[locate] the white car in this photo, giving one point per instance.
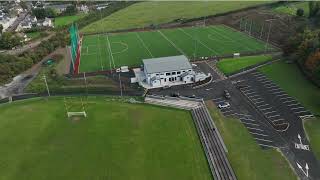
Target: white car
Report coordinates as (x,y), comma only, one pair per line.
(224,105)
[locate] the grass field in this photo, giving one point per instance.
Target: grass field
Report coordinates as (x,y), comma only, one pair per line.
(247,159)
(116,141)
(291,8)
(157,12)
(231,65)
(33,35)
(66,20)
(290,78)
(101,52)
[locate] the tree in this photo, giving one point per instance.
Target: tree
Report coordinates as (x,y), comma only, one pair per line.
(313,61)
(1,28)
(300,12)
(71,10)
(314,7)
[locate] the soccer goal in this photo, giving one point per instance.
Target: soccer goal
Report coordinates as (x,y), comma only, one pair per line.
(75,107)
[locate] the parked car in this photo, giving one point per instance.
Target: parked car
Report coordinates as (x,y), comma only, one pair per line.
(227,94)
(223,105)
(175,94)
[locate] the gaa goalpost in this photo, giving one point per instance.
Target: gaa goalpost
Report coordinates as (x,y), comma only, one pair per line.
(74,108)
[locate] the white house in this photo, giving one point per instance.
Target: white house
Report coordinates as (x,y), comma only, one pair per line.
(168,71)
(47,22)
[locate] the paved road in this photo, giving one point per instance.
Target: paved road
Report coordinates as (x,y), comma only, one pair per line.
(262,107)
(28,46)
(15,24)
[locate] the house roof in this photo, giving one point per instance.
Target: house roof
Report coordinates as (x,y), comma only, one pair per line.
(165,64)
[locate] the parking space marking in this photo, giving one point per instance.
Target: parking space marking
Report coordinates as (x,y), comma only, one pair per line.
(295,104)
(275,89)
(255,129)
(268,83)
(270,86)
(289,101)
(266,108)
(301,112)
(250,123)
(253,96)
(263,105)
(300,107)
(250,93)
(265,135)
(257,99)
(270,112)
(268,145)
(263,140)
(278,120)
(217,98)
(259,102)
(247,119)
(277,115)
(285,98)
(248,115)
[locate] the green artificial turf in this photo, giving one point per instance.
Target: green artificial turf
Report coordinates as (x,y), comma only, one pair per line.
(291,79)
(247,159)
(231,65)
(156,12)
(103,52)
(66,20)
(116,141)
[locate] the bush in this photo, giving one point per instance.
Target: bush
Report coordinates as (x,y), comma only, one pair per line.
(300,12)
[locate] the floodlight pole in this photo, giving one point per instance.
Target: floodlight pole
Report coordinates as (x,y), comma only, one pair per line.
(45,81)
(85,81)
(270,20)
(120,84)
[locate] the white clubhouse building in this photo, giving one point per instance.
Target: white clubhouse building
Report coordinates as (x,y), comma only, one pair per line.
(167,71)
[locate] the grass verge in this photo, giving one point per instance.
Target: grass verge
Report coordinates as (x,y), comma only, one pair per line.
(247,159)
(231,65)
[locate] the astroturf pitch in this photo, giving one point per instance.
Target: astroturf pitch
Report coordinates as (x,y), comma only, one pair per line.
(109,51)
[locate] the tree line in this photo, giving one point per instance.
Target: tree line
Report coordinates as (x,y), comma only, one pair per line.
(11,65)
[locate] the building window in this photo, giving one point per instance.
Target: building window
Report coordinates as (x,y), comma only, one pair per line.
(178,72)
(157,74)
(189,70)
(167,74)
(183,71)
(173,73)
(165,79)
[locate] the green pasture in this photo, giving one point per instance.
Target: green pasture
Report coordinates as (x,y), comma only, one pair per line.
(66,20)
(156,12)
(109,51)
(291,8)
(117,140)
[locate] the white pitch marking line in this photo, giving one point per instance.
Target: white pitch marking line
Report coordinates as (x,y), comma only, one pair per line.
(258,134)
(255,129)
(263,140)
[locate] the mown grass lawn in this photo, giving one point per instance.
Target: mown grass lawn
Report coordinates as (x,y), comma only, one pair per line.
(33,35)
(231,65)
(247,159)
(291,8)
(66,20)
(157,12)
(291,79)
(116,141)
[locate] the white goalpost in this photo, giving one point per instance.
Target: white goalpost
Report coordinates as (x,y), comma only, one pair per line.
(72,112)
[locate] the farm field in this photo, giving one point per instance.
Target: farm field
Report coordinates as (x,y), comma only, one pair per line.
(247,158)
(66,20)
(104,52)
(291,79)
(158,12)
(231,65)
(117,140)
